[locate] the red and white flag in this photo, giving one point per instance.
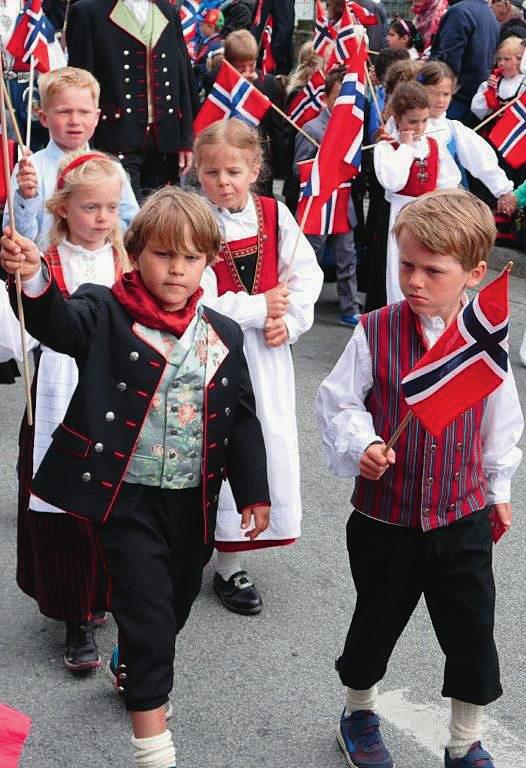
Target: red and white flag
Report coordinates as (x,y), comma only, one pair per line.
(328,218)
(188,13)
(31,36)
(346,43)
(308,103)
(467,363)
(508,135)
(362,15)
(232,96)
(268,63)
(323,34)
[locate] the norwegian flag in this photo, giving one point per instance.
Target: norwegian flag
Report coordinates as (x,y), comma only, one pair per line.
(329,218)
(257,14)
(508,135)
(188,13)
(308,103)
(31,36)
(467,363)
(268,63)
(346,42)
(323,34)
(340,154)
(362,15)
(232,96)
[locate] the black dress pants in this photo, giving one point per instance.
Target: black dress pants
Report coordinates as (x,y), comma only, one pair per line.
(149,168)
(392,566)
(154,554)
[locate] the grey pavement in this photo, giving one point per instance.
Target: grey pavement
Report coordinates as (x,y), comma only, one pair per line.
(262,691)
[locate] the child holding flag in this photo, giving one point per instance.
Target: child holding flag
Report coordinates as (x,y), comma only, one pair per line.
(421,521)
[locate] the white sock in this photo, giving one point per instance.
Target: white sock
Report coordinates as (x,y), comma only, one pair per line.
(155,751)
(356,700)
(465,727)
(228,563)
(522,350)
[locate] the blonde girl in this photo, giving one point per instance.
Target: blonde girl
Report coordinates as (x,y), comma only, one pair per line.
(58,562)
(256,283)
(504,83)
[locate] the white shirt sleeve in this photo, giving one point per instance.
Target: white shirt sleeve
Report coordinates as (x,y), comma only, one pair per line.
(501,429)
(479,105)
(480,159)
(305,280)
(10,337)
(248,311)
(346,426)
(392,165)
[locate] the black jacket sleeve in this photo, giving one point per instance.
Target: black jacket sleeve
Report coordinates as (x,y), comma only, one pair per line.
(79,39)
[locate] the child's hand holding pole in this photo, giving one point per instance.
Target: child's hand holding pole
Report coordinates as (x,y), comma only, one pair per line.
(277,300)
(276,332)
(19,253)
(374,463)
(27,178)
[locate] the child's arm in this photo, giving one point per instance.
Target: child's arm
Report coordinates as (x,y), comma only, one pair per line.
(346,426)
(392,165)
(480,159)
(479,103)
(10,341)
(128,205)
(305,280)
(247,311)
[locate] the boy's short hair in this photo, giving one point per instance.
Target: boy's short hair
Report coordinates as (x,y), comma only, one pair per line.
(240,45)
(452,222)
(51,83)
(176,220)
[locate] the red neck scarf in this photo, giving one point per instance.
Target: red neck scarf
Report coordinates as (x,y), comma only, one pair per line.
(137,300)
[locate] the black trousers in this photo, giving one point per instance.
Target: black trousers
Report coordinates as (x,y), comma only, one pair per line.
(150,169)
(154,553)
(392,567)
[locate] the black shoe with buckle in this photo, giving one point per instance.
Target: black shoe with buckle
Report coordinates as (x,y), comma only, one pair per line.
(238,594)
(81,652)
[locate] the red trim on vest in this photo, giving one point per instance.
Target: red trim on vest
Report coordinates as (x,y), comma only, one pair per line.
(52,257)
(266,276)
(434,481)
(416,186)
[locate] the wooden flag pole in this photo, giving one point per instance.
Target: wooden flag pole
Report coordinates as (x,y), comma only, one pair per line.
(30,101)
(12,115)
(287,118)
(375,97)
(497,113)
(18,281)
(298,236)
(403,424)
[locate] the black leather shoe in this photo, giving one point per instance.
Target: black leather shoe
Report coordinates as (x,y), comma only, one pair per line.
(81,652)
(238,594)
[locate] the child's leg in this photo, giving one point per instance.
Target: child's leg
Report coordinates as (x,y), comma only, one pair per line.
(345,257)
(153,744)
(465,727)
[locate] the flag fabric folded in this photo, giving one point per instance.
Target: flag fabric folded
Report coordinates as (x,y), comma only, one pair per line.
(346,42)
(508,135)
(189,12)
(307,104)
(340,153)
(14,730)
(268,63)
(362,15)
(31,36)
(232,96)
(323,34)
(467,363)
(329,218)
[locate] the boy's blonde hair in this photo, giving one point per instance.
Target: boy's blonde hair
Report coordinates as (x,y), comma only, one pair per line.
(176,220)
(97,170)
(452,222)
(51,83)
(513,45)
(240,46)
(235,133)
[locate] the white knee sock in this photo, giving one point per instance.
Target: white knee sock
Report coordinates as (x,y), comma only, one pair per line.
(465,727)
(356,700)
(228,563)
(155,751)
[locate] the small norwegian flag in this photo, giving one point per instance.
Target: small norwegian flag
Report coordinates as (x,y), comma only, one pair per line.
(323,34)
(188,13)
(329,218)
(232,96)
(256,21)
(346,43)
(508,135)
(268,63)
(467,363)
(308,103)
(31,36)
(362,15)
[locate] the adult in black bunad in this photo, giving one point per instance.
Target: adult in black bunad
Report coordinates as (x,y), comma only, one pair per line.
(135,49)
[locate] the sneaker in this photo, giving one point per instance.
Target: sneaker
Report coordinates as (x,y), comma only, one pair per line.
(361,741)
(238,593)
(350,320)
(112,667)
(81,652)
(475,758)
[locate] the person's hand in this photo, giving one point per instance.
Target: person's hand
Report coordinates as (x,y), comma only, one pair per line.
(276,332)
(407,137)
(507,204)
(383,135)
(373,463)
(261,517)
(503,514)
(185,161)
(277,300)
(19,253)
(27,178)
(492,82)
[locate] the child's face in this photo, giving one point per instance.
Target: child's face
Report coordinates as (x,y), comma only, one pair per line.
(246,67)
(226,174)
(71,118)
(509,64)
(440,96)
(91,213)
(413,120)
(171,277)
(206,29)
(433,283)
(394,40)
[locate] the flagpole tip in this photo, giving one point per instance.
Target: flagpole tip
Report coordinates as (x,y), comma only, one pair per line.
(509,266)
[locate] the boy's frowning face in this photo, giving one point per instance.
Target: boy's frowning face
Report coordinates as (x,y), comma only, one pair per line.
(71,117)
(433,283)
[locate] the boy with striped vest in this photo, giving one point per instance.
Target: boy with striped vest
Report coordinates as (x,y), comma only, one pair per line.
(421,521)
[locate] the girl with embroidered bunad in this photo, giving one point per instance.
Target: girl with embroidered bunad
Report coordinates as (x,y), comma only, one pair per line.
(58,562)
(252,284)
(408,164)
(162,412)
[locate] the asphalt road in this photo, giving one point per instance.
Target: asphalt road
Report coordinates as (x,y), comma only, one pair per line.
(261,691)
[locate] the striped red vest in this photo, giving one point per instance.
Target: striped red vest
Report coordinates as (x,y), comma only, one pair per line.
(266,244)
(52,257)
(434,481)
